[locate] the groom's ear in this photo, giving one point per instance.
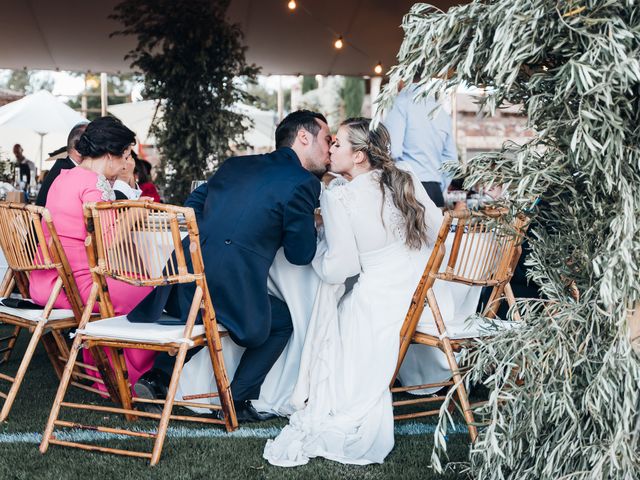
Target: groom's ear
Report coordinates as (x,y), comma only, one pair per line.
(304,136)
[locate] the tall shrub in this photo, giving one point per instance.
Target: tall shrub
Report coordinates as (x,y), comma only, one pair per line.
(575,69)
(191,58)
(353,96)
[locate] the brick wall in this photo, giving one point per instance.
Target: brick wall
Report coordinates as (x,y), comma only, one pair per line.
(477,133)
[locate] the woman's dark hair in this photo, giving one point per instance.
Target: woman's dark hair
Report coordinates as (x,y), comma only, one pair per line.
(105,135)
(288,128)
(142,170)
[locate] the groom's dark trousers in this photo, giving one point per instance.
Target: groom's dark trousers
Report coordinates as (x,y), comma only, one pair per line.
(247,210)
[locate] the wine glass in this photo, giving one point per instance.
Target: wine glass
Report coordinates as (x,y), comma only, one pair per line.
(196,183)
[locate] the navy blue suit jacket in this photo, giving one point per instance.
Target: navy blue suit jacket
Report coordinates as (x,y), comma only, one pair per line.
(248,209)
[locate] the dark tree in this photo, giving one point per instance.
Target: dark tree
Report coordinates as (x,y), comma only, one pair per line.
(353,95)
(191,58)
(309,82)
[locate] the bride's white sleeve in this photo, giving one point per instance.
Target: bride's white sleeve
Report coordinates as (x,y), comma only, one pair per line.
(337,254)
(433,216)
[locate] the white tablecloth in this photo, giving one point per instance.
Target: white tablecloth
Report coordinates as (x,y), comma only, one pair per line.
(297,286)
(3,264)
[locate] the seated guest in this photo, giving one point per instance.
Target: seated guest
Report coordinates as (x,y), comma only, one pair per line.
(105,146)
(125,186)
(143,172)
(72,159)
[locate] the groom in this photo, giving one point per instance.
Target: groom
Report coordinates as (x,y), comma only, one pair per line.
(248,209)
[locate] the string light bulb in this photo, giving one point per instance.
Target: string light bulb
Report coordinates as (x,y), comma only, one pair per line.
(378,68)
(339,43)
(292,4)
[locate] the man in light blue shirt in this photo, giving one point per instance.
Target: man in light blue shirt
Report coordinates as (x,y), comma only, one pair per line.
(421,135)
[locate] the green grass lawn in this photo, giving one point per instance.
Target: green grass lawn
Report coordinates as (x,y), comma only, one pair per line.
(191,451)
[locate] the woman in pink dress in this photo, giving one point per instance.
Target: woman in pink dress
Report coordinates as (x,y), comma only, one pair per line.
(105,145)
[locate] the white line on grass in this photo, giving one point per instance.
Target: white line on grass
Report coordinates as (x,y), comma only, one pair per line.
(78,435)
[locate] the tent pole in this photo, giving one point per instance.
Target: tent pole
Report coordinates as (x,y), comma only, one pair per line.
(104,99)
(280,99)
(41,149)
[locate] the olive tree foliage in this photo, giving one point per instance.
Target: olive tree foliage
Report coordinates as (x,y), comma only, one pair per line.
(191,58)
(574,66)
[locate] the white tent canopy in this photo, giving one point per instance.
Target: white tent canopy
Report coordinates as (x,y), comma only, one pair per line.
(73,35)
(139,115)
(39,122)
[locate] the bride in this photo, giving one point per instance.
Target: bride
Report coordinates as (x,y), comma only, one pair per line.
(380,226)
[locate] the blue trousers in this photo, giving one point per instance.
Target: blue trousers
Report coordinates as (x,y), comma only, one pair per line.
(255,362)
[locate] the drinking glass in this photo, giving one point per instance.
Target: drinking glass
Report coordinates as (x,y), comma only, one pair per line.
(196,183)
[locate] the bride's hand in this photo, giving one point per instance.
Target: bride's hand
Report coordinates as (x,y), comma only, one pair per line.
(318,216)
(327,177)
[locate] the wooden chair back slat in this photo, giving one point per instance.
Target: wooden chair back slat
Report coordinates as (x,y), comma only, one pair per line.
(22,238)
(140,242)
(483,245)
(24,244)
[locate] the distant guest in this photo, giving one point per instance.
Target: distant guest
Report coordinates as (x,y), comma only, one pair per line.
(72,159)
(143,172)
(27,167)
(125,186)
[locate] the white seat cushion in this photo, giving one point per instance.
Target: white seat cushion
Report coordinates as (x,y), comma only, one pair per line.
(120,328)
(475,327)
(33,315)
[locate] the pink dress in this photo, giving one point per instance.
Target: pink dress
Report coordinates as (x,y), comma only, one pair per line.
(68,192)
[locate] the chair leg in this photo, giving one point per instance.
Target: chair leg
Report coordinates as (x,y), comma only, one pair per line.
(224,388)
(122,381)
(461,391)
(62,390)
(168,405)
(107,373)
(11,343)
(51,347)
(22,370)
(511,300)
(495,299)
(445,347)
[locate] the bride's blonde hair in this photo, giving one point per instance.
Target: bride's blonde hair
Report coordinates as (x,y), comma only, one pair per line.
(376,145)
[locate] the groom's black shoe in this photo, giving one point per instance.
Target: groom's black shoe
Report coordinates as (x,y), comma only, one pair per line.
(153,385)
(246,413)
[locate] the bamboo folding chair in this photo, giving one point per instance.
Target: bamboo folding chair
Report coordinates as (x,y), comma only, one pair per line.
(139,242)
(485,250)
(23,243)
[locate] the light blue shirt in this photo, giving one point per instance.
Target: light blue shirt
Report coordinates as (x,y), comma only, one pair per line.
(421,136)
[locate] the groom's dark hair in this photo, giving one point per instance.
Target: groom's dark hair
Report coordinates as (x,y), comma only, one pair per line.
(289,126)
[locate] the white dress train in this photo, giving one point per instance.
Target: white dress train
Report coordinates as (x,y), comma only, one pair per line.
(352,342)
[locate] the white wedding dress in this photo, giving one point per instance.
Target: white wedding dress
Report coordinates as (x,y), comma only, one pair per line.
(351,347)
